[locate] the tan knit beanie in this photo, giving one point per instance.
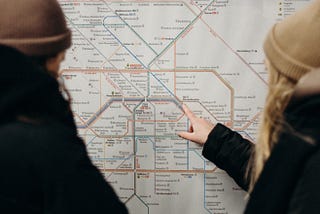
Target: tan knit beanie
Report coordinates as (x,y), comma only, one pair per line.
(293,45)
(35,27)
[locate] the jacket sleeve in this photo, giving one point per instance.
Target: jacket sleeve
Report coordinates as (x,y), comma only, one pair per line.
(71,183)
(305,198)
(229,151)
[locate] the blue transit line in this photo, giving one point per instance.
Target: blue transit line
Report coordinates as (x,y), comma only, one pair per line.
(134,56)
(87,144)
(148,138)
(168,90)
(246,133)
(136,34)
(130,83)
(204,182)
(195,151)
(118,40)
(116,15)
(120,99)
(153,143)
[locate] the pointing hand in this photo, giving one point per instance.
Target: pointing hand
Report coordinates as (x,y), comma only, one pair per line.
(199,128)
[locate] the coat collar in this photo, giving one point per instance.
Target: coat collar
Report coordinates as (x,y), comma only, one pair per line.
(283,169)
(280,175)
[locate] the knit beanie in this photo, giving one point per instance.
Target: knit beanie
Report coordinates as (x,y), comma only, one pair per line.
(35,27)
(293,45)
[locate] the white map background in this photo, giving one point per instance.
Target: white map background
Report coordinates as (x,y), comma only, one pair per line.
(131,66)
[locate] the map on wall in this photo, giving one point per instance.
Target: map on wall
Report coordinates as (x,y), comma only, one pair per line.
(132,65)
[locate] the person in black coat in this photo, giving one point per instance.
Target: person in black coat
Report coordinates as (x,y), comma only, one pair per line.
(281,171)
(45,167)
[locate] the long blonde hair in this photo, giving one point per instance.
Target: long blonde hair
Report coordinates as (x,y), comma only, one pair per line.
(279,94)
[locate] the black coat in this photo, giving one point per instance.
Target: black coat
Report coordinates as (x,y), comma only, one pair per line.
(44,165)
(289,182)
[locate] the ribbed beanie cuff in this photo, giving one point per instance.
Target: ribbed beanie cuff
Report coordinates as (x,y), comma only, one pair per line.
(292,46)
(34,27)
(280,60)
(45,46)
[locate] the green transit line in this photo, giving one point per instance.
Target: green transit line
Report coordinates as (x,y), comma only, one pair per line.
(184,30)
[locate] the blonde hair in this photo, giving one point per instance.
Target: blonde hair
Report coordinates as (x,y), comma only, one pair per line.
(279,94)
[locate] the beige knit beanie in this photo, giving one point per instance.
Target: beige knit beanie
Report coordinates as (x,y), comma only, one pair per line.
(35,27)
(293,45)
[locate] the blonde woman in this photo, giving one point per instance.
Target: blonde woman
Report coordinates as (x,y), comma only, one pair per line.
(282,171)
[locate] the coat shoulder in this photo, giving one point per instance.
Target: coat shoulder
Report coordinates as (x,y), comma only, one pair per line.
(305,198)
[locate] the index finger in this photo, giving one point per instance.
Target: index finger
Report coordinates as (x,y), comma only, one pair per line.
(189,113)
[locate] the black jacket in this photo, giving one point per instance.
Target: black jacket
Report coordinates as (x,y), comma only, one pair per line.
(44,165)
(289,182)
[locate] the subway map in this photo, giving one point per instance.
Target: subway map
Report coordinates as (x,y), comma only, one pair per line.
(132,65)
